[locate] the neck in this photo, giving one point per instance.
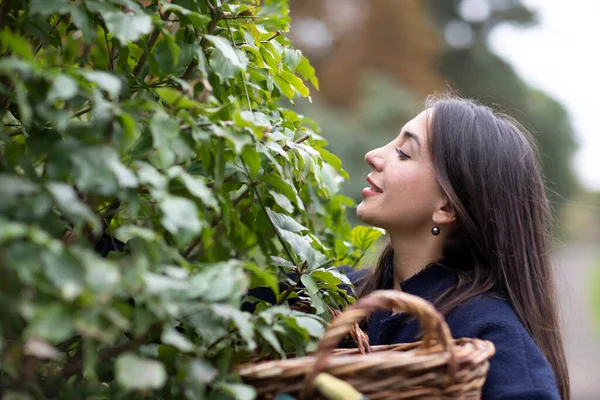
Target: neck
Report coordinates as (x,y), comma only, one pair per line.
(412,254)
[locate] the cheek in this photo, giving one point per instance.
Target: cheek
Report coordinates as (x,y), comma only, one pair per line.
(414,191)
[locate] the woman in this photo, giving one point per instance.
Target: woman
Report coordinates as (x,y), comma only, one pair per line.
(461,194)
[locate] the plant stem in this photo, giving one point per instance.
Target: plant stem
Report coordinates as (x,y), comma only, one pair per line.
(151,42)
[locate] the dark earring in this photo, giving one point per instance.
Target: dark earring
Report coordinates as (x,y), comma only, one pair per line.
(435,230)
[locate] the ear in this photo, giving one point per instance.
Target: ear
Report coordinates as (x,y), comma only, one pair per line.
(445,213)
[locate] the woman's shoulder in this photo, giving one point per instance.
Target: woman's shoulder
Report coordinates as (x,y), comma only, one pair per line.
(518,367)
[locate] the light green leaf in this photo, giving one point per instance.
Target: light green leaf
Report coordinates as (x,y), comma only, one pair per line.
(224,47)
(12,186)
(84,21)
(295,82)
(139,373)
(313,325)
(16,44)
(310,284)
(63,88)
(67,200)
(363,237)
(240,319)
(333,160)
(53,323)
(123,26)
(262,278)
(105,81)
(45,8)
(285,222)
(282,201)
(238,391)
(179,215)
(302,249)
(196,186)
(202,371)
(308,72)
(267,334)
(173,338)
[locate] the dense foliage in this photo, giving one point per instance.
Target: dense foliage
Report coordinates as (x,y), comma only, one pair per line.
(152,171)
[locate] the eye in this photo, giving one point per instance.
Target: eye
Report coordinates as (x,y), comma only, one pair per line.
(401,154)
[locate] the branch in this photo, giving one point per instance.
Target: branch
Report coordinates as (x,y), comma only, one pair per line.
(291,288)
(215,16)
(82,111)
(76,365)
(151,42)
(274,35)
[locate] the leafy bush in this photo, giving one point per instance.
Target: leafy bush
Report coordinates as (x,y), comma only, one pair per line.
(150,175)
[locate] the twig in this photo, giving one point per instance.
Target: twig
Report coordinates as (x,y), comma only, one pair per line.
(151,42)
(215,16)
(274,35)
(82,111)
(110,212)
(291,288)
(76,365)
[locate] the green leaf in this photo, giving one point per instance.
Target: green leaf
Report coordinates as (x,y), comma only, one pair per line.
(285,222)
(67,200)
(238,391)
(196,186)
(268,335)
(139,373)
(236,58)
(63,88)
(312,324)
(332,277)
(282,201)
(123,26)
(308,72)
(105,81)
(363,237)
(173,338)
(100,170)
(84,21)
(16,44)
(45,8)
(240,319)
(252,160)
(302,249)
(202,371)
(310,284)
(333,160)
(53,323)
(179,215)
(295,82)
(262,278)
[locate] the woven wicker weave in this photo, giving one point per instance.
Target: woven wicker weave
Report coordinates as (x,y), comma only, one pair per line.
(438,367)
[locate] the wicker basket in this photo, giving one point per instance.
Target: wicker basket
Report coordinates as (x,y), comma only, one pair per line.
(438,367)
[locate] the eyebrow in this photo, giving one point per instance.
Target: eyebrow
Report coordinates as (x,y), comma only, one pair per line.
(411,135)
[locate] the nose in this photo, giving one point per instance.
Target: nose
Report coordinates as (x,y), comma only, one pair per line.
(374,160)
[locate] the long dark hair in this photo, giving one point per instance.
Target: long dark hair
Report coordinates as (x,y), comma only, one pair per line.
(487,164)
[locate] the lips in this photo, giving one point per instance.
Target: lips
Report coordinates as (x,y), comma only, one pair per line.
(373,185)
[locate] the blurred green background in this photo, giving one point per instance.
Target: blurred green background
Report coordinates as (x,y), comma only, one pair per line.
(377,60)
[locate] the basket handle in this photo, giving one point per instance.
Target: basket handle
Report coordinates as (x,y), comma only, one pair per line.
(434,326)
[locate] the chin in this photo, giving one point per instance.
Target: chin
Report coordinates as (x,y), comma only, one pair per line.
(366,217)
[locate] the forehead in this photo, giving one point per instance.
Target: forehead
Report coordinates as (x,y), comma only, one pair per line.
(419,125)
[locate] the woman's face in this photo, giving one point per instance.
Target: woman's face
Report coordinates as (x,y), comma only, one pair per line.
(402,170)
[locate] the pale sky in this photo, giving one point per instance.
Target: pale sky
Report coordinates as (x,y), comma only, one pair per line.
(561,56)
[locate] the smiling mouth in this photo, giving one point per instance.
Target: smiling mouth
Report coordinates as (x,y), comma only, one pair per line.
(373,187)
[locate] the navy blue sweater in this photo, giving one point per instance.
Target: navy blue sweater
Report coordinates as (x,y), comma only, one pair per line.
(518,370)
